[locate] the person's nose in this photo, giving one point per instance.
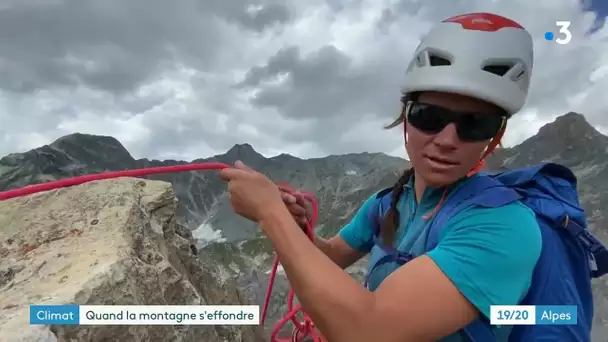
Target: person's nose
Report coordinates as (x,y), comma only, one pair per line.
(447,138)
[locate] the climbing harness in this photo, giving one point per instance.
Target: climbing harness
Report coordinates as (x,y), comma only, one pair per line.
(301,330)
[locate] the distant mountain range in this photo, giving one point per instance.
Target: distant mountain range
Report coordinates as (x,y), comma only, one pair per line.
(340,182)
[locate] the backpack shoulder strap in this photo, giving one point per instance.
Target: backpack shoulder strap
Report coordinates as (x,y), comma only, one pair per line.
(379,208)
(480,190)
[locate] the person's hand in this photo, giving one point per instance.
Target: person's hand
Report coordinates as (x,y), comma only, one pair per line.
(252,194)
(299,206)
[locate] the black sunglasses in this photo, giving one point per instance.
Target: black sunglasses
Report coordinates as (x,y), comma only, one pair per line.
(471,127)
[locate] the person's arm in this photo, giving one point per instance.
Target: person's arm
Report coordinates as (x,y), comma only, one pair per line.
(353,241)
(338,251)
(483,260)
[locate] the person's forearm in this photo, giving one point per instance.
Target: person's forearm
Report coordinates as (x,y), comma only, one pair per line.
(338,257)
(325,247)
(322,244)
(334,300)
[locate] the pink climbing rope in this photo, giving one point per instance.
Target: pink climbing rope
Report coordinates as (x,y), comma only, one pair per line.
(301,329)
(306,327)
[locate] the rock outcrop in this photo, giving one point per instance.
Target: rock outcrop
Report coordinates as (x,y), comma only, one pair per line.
(113,242)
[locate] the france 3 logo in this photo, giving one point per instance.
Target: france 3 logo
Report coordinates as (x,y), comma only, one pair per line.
(563,36)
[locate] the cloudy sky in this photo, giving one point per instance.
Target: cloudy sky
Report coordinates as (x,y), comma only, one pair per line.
(184,79)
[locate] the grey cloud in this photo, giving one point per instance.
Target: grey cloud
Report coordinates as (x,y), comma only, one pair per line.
(265,17)
(115,45)
(328,87)
(256,15)
(209,119)
(284,61)
(316,86)
(140,104)
(323,84)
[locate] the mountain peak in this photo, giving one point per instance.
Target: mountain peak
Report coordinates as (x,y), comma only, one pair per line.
(571,117)
(570,140)
(570,129)
(241,148)
(88,146)
(571,123)
(245,153)
(83,138)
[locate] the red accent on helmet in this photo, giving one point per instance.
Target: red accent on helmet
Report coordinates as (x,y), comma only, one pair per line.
(483,22)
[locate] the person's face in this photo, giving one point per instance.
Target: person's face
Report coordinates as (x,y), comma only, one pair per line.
(442,158)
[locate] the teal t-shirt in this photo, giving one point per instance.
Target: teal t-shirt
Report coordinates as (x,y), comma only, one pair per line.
(488,253)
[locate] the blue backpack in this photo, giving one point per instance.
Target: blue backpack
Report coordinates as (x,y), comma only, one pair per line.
(570,258)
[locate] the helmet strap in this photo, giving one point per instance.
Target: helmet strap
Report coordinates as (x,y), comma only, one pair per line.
(490,149)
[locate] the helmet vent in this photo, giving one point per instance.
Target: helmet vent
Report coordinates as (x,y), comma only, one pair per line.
(499,70)
(438,61)
(420,60)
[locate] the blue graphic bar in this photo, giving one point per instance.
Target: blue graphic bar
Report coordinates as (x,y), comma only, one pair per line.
(556,315)
(70,314)
(54,314)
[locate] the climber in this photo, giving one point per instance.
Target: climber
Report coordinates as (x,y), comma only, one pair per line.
(468,76)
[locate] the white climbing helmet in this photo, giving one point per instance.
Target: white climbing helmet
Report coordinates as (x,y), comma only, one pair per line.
(481,55)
